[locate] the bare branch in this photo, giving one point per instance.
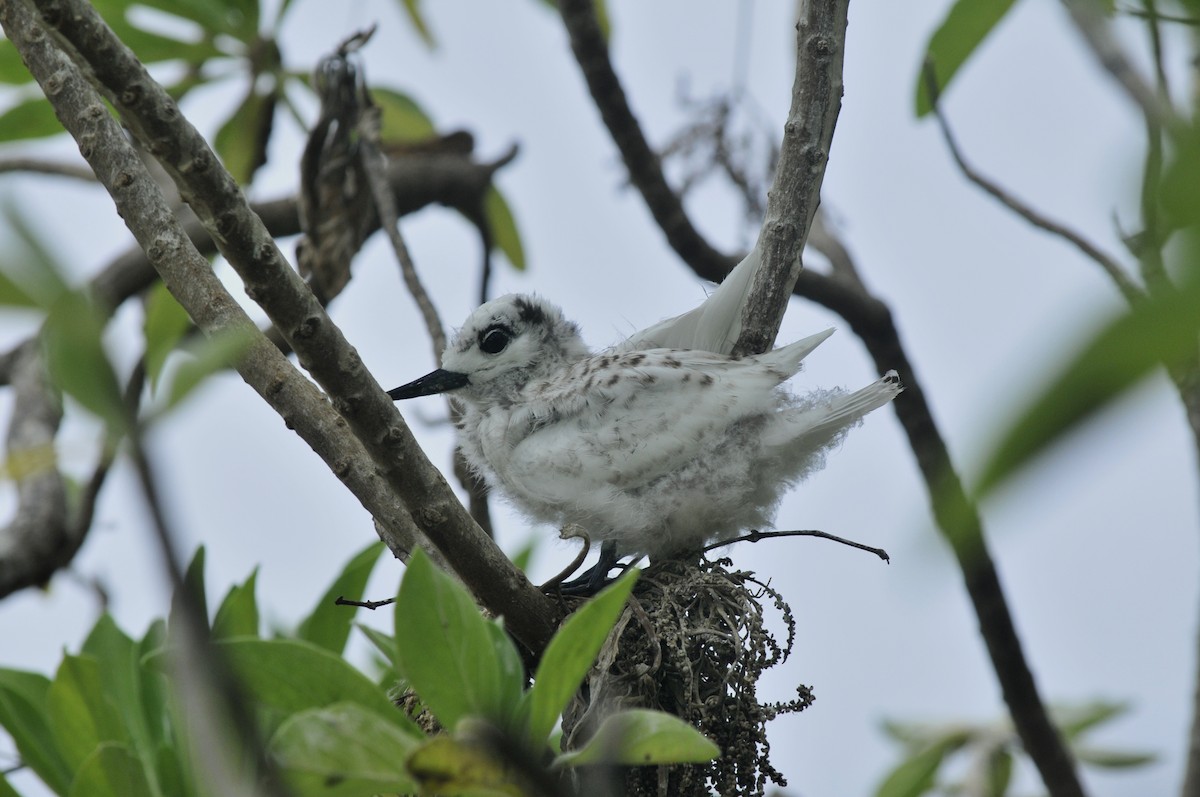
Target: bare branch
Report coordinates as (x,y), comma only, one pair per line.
(390,451)
(796,191)
(45,167)
(1116,272)
(958,520)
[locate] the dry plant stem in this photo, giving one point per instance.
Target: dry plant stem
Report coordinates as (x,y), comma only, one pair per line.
(155,120)
(796,190)
(1111,266)
(45,167)
(871,319)
(755,536)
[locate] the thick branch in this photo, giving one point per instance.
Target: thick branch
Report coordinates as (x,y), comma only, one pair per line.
(957,518)
(392,453)
(796,190)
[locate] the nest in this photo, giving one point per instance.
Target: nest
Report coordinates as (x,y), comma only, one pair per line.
(693,643)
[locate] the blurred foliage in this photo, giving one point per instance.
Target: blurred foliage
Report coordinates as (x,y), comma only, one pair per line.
(108,721)
(990,751)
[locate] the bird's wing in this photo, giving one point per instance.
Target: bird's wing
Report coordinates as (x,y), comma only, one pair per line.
(619,421)
(714,326)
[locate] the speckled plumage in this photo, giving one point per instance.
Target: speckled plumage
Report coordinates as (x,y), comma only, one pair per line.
(656,448)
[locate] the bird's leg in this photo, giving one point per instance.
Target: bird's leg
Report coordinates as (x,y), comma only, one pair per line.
(594,578)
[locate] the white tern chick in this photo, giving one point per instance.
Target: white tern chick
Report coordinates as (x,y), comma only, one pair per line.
(652,450)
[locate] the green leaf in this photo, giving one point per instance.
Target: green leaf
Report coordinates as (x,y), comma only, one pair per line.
(238,612)
(209,356)
(1162,328)
(412,8)
(23,714)
(328,625)
(343,750)
(30,274)
(29,119)
(384,643)
(290,676)
(964,28)
(78,363)
(6,789)
(446,651)
(80,710)
(1074,721)
(917,774)
(504,228)
(1113,759)
(641,736)
(193,582)
(165,325)
(213,16)
(570,654)
(401,118)
(998,772)
(111,771)
(445,765)
(241,141)
(12,68)
(523,557)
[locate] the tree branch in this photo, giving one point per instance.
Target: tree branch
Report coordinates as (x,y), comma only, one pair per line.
(796,190)
(390,451)
(958,520)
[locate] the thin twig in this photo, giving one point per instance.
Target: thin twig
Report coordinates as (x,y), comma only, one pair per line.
(755,535)
(45,167)
(372,605)
(1097,33)
(1131,291)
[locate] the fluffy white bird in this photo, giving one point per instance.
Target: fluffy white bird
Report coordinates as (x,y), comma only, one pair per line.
(656,446)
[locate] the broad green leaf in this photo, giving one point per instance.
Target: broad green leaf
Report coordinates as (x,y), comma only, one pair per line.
(641,736)
(383,643)
(290,676)
(445,765)
(917,774)
(1181,205)
(504,228)
(77,361)
(998,774)
(139,704)
(153,691)
(570,654)
(213,16)
(328,625)
(343,750)
(209,356)
(1074,721)
(1113,759)
(401,118)
(241,141)
(12,68)
(165,325)
(81,712)
(964,28)
(33,268)
(412,8)
(23,712)
(29,119)
(6,789)
(238,612)
(193,581)
(445,649)
(11,292)
(1162,328)
(111,771)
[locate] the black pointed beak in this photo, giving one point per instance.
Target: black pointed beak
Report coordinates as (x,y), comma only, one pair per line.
(438,381)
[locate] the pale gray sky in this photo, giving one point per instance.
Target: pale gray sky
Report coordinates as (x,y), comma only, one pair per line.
(1096,546)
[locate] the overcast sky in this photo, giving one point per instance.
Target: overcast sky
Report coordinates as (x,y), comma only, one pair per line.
(1096,546)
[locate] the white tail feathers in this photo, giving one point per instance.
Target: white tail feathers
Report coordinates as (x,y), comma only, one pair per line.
(788,358)
(819,424)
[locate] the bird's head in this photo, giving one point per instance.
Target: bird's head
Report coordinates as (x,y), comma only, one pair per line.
(504,345)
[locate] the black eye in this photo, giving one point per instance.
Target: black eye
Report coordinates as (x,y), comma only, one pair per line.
(494,339)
